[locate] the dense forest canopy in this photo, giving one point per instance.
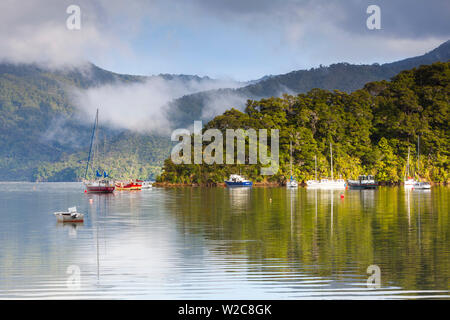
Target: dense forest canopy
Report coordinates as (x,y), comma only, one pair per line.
(370,129)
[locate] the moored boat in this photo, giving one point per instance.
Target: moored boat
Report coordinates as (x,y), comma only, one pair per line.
(238,181)
(409,182)
(291,183)
(102,184)
(363,182)
(129,185)
(326,183)
(422,186)
(71,215)
(99,186)
(147,185)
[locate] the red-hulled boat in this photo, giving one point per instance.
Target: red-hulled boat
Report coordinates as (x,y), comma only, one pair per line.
(101,184)
(129,185)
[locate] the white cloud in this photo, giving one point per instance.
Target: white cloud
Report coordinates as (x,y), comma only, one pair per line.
(140,106)
(35,30)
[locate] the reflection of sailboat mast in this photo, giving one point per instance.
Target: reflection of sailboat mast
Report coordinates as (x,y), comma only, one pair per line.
(315,197)
(418,157)
(291,217)
(331,155)
(418,217)
(409,210)
(96,220)
(331,192)
(98,257)
(407,167)
(290,146)
(315,168)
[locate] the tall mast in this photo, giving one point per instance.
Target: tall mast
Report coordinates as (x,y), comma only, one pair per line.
(290,144)
(331,153)
(315,167)
(90,147)
(95,146)
(418,154)
(407,165)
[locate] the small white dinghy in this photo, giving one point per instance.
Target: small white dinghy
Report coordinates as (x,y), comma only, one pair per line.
(147,185)
(70,216)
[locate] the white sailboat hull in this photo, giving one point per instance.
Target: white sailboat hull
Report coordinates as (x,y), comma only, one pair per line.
(422,186)
(326,184)
(291,184)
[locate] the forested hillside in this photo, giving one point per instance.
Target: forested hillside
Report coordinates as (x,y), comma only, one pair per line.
(370,130)
(43,137)
(341,76)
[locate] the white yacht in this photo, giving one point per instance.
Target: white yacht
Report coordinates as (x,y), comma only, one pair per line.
(422,186)
(291,183)
(147,185)
(409,182)
(326,183)
(412,183)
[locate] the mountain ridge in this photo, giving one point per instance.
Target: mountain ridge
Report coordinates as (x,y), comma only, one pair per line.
(338,76)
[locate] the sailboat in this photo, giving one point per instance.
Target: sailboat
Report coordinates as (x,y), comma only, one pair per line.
(420,184)
(409,182)
(315,181)
(292,183)
(325,183)
(101,184)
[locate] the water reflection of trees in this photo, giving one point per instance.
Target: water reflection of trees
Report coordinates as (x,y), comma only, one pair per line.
(317,231)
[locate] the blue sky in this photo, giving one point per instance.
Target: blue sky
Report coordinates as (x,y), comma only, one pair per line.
(219,51)
(238,39)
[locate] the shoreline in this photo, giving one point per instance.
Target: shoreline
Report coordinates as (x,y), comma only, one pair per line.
(268,184)
(223,185)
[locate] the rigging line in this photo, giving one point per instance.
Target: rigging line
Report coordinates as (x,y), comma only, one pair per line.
(90,147)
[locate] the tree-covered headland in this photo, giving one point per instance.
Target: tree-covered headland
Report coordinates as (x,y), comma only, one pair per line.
(370,129)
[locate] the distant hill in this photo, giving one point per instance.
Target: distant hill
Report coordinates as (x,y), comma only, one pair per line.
(42,137)
(341,76)
(40,127)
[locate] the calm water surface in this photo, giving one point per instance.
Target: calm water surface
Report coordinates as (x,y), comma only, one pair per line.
(216,243)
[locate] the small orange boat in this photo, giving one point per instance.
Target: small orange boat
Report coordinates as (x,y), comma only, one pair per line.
(129,185)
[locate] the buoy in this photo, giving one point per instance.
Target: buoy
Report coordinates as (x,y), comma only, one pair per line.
(342,196)
(85,191)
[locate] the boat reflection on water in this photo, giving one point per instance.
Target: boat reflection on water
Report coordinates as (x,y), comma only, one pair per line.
(367,198)
(72,228)
(239,197)
(292,195)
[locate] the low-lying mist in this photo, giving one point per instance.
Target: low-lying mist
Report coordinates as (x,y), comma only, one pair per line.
(143,106)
